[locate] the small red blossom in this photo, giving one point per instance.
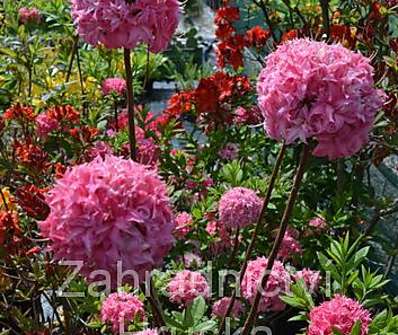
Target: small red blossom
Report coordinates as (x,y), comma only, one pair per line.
(64,113)
(216,93)
(229,52)
(31,156)
(225,16)
(290,35)
(9,226)
(20,113)
(180,103)
(32,201)
(343,34)
(59,169)
(257,37)
(33,251)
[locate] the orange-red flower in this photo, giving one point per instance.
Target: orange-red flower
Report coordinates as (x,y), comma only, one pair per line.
(257,37)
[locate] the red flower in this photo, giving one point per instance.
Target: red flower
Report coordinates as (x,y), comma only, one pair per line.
(32,201)
(180,103)
(290,35)
(206,95)
(257,37)
(9,226)
(20,113)
(59,169)
(64,113)
(229,51)
(31,155)
(377,11)
(343,34)
(33,251)
(216,93)
(229,14)
(225,16)
(84,134)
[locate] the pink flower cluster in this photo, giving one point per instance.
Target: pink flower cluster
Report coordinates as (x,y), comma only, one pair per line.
(110,210)
(99,148)
(318,223)
(114,85)
(45,124)
(147,332)
(192,260)
(229,152)
(278,283)
(290,245)
(310,89)
(147,150)
(251,116)
(29,15)
(119,309)
(239,207)
(340,313)
(183,225)
(220,307)
(125,24)
(312,279)
(186,286)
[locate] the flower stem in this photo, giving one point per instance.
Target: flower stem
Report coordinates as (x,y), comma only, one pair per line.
(130,102)
(325,17)
(72,57)
(281,234)
(156,306)
(260,224)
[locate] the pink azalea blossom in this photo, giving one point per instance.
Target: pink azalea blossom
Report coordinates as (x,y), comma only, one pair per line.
(125,24)
(220,307)
(311,278)
(229,152)
(183,224)
(239,207)
(212,227)
(114,85)
(186,286)
(340,313)
(45,124)
(290,245)
(108,211)
(318,223)
(192,260)
(251,116)
(119,309)
(278,283)
(29,15)
(99,148)
(311,89)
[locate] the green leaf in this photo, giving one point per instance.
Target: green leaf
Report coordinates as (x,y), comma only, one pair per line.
(205,326)
(356,330)
(198,308)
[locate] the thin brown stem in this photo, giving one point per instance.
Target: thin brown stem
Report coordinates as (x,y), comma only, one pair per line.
(281,233)
(260,224)
(72,57)
(157,311)
(130,102)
